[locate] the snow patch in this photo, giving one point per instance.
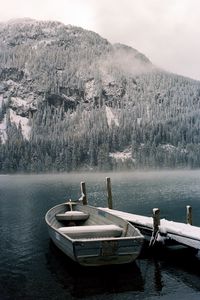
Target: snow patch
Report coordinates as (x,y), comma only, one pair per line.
(111,117)
(1,100)
(168,147)
(43,43)
(139,120)
(148,111)
(90,90)
(107,78)
(22,107)
(18,102)
(3,134)
(26,128)
(123,156)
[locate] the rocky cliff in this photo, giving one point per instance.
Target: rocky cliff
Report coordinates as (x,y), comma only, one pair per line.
(69,99)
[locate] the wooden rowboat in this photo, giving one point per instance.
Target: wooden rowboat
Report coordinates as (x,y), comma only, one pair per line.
(91,236)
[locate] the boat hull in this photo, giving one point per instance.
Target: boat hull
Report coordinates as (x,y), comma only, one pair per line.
(96,251)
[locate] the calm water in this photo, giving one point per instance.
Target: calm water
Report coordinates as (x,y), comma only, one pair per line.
(31,267)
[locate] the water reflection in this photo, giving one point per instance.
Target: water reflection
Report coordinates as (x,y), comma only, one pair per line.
(26,272)
(180,264)
(183,264)
(158,282)
(84,282)
(155,273)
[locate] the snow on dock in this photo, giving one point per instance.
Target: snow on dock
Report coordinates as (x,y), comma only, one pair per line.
(184,234)
(153,228)
(136,219)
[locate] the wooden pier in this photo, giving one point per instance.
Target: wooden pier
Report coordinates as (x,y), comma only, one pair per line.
(184,234)
(156,230)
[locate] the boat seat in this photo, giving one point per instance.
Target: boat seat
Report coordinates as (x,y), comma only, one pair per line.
(72,216)
(92,231)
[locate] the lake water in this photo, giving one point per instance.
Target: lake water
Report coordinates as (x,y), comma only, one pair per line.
(31,267)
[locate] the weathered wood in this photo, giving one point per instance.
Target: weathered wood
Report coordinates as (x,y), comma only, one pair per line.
(170,231)
(83,192)
(156,219)
(189,214)
(109,192)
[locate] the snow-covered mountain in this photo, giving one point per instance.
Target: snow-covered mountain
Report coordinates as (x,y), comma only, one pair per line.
(69,99)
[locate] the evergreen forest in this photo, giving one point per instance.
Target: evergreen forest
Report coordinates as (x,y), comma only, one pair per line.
(71,101)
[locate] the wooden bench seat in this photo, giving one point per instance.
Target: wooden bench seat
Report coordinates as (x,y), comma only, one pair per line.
(92,231)
(72,216)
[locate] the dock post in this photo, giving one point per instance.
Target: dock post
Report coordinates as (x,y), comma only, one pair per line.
(189,214)
(83,192)
(156,220)
(109,192)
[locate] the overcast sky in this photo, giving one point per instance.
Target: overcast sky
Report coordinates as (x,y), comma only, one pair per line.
(166,31)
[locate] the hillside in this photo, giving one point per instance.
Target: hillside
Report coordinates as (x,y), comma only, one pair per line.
(70,100)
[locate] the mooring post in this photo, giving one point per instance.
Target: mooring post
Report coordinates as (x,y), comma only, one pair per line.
(83,193)
(189,214)
(156,220)
(109,192)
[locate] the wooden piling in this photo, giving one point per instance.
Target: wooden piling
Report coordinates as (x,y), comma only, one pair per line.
(156,219)
(189,214)
(109,192)
(83,193)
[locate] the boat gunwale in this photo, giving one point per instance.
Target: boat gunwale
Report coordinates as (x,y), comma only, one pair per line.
(136,238)
(140,235)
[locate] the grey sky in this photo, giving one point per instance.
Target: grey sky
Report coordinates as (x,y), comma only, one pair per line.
(166,31)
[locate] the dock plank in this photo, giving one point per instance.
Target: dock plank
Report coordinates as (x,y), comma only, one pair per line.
(184,234)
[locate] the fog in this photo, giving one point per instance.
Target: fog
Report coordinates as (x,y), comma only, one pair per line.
(165,31)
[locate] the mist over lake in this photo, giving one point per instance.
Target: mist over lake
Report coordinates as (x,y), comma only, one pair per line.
(31,267)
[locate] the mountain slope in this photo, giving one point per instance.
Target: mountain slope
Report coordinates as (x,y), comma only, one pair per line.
(69,100)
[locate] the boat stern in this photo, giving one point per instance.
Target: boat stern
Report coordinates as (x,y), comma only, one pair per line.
(108,251)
